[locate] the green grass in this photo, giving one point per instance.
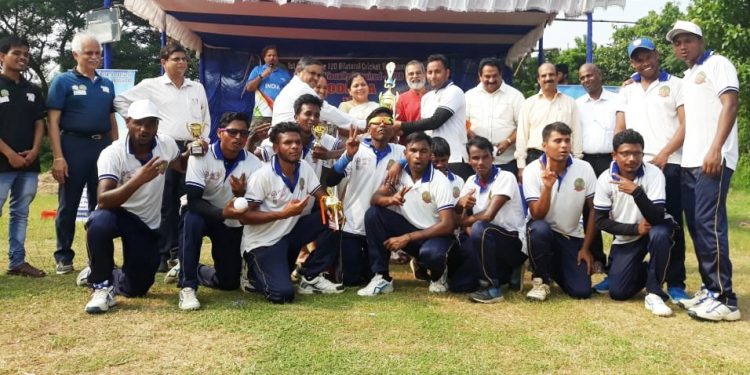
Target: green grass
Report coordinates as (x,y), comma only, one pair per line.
(43,329)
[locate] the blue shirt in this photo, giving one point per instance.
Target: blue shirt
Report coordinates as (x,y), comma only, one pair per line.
(268,89)
(85,104)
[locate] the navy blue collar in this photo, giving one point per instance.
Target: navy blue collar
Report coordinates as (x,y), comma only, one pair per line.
(229,166)
(426,175)
(484,185)
(704,57)
(306,148)
(450,176)
(379,154)
(277,168)
(663,76)
(568,163)
(615,169)
(150,153)
(79,74)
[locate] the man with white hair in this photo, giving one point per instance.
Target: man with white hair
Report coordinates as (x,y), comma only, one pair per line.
(81,124)
(408,105)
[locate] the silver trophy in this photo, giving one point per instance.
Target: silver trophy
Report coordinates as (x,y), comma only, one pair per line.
(389,96)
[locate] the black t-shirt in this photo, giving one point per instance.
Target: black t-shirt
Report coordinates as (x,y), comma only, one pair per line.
(21,104)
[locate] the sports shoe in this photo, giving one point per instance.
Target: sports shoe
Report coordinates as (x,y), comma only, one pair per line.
(713,310)
(419,272)
(101,300)
(83,277)
(378,285)
(700,296)
(656,305)
(677,294)
(63,268)
(602,287)
(487,295)
(188,300)
(318,285)
(26,269)
(440,285)
(172,275)
(539,290)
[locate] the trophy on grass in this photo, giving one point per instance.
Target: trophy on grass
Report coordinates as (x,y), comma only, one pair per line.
(195,147)
(389,97)
(332,212)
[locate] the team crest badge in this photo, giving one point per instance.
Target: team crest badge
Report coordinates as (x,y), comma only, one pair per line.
(456,192)
(426,197)
(82,87)
(390,164)
(302,184)
(579,185)
(664,91)
(700,78)
(273,197)
(4,93)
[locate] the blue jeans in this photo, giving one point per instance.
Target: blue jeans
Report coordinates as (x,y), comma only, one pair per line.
(22,188)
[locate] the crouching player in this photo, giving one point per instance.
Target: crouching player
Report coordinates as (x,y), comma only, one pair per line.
(415,215)
(131,181)
(211,181)
(629,203)
(274,229)
(491,211)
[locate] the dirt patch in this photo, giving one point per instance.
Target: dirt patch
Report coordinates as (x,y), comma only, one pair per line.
(47,184)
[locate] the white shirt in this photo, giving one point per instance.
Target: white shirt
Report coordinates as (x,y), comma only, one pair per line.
(710,77)
(427,197)
(653,113)
(210,172)
(449,97)
(598,118)
(495,116)
(569,194)
(457,183)
(621,206)
(283,107)
(538,112)
(511,216)
(178,107)
(116,162)
(272,190)
(366,174)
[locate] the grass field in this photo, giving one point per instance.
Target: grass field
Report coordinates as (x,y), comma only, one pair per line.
(43,329)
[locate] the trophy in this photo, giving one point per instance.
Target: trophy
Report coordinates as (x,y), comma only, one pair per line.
(318,132)
(389,97)
(195,147)
(332,211)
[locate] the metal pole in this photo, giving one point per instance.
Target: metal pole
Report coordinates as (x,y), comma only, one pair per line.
(107,47)
(589,38)
(163,40)
(540,56)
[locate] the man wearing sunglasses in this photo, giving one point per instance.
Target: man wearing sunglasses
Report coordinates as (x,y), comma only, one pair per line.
(211,181)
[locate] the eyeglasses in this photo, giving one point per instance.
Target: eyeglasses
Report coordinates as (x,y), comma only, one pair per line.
(235,132)
(377,121)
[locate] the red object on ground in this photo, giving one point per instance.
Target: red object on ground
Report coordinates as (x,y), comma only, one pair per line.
(49,214)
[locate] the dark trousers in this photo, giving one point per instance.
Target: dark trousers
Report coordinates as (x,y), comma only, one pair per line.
(600,163)
(704,199)
(511,166)
(555,257)
(489,253)
(628,274)
(676,269)
(382,223)
(533,154)
(139,251)
(269,267)
(461,169)
(225,251)
(174,188)
(353,266)
(81,155)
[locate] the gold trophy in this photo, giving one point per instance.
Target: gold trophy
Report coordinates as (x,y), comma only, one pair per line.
(196,147)
(389,97)
(332,210)
(318,132)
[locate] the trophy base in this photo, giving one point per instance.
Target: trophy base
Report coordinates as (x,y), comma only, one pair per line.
(196,149)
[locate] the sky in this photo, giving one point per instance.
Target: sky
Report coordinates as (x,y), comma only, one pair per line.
(562,34)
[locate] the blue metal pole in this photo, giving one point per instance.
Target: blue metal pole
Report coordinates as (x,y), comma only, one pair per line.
(540,56)
(589,38)
(107,47)
(163,40)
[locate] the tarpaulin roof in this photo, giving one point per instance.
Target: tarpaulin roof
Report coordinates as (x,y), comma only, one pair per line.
(363,28)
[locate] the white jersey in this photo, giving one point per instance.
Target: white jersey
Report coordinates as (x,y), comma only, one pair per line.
(117,162)
(449,97)
(457,183)
(426,198)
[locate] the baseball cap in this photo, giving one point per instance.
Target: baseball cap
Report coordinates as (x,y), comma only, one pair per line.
(143,108)
(681,27)
(645,43)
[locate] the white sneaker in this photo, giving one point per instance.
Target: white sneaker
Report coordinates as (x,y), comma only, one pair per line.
(539,290)
(188,300)
(440,285)
(173,274)
(713,310)
(656,305)
(101,300)
(318,285)
(700,296)
(377,285)
(83,277)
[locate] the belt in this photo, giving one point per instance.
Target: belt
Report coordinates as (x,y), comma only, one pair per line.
(97,136)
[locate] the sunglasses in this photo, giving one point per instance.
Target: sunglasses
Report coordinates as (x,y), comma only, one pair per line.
(377,121)
(235,132)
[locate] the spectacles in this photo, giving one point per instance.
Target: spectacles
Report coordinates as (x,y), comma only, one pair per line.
(635,154)
(377,121)
(235,132)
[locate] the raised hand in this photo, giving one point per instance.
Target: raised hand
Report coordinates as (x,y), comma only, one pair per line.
(150,170)
(549,177)
(468,201)
(398,198)
(623,184)
(238,185)
(352,143)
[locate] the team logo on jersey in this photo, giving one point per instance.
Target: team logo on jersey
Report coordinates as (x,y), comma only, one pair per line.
(390,163)
(700,78)
(79,89)
(4,93)
(456,192)
(664,91)
(273,197)
(426,197)
(302,184)
(579,185)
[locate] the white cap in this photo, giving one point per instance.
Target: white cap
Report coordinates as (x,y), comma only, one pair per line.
(143,108)
(682,27)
